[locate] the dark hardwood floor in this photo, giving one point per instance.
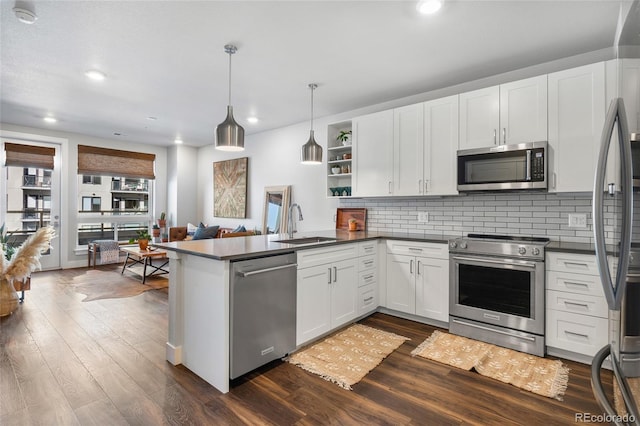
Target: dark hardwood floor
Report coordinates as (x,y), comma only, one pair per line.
(66,362)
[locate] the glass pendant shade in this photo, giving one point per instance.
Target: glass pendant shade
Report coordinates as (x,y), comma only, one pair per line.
(311,151)
(229,134)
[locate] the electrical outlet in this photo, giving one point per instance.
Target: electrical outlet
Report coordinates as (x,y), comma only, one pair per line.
(423,217)
(577,220)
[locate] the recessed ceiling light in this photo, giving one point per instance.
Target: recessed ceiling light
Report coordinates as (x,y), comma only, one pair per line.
(95,75)
(50,119)
(427,7)
(252,120)
(152,118)
(178,141)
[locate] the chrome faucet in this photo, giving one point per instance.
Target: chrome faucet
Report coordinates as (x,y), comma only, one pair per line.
(291,223)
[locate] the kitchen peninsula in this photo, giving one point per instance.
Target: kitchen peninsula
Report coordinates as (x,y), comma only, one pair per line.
(199,334)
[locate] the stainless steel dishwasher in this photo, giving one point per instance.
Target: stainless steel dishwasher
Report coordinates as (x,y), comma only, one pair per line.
(263,311)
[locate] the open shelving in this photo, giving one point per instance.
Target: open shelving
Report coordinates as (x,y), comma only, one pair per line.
(339,155)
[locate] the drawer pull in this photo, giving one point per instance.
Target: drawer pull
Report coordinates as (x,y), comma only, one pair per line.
(368,299)
(368,277)
(581,335)
(580,305)
(576,285)
(576,264)
(368,262)
(368,249)
(415,249)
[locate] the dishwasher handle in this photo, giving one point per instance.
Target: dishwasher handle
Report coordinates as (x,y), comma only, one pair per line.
(262,271)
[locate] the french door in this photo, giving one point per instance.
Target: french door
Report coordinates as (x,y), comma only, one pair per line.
(32,193)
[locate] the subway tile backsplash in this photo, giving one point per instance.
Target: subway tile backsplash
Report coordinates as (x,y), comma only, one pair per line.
(522,214)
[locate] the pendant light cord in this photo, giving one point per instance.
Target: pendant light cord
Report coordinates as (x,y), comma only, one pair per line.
(230,53)
(312,86)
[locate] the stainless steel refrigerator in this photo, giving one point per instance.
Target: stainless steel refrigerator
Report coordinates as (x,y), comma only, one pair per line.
(617,262)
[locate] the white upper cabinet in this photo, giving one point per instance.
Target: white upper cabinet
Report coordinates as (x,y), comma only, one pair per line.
(479,118)
(440,145)
(510,113)
(408,150)
(523,110)
(576,117)
(630,89)
(373,154)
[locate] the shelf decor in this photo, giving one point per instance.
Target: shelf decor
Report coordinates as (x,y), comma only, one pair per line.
(230,188)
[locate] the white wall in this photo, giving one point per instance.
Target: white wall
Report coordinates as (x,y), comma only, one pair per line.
(70,258)
(274,159)
(182,185)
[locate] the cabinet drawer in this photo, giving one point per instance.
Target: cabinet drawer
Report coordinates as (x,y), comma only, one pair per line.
(575,283)
(320,256)
(571,262)
(577,303)
(367,299)
(434,250)
(367,263)
(576,333)
(368,248)
(366,278)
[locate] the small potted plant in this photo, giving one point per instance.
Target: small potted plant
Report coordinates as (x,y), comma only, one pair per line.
(155,230)
(344,136)
(143,239)
(353,225)
(162,222)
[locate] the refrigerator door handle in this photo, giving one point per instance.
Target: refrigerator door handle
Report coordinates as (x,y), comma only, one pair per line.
(613,292)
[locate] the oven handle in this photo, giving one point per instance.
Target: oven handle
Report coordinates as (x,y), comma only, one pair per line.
(494,330)
(496,262)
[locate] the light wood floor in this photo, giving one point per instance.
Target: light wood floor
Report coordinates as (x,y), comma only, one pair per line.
(66,362)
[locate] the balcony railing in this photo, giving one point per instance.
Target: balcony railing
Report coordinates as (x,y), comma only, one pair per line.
(117,185)
(115,212)
(31,181)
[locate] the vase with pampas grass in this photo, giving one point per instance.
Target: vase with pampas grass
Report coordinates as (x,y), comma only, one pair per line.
(20,265)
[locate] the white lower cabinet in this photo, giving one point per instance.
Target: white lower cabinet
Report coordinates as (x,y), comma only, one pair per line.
(576,310)
(417,284)
(334,292)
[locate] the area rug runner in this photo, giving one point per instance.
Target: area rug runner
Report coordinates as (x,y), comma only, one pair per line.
(347,356)
(97,284)
(618,401)
(542,376)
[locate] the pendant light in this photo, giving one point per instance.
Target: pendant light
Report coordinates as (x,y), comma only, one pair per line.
(229,134)
(311,151)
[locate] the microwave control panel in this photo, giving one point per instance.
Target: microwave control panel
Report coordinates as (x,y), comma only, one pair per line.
(537,165)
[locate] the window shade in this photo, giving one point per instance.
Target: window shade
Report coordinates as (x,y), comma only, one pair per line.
(113,162)
(29,156)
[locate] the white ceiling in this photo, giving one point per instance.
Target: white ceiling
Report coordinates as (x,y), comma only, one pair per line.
(165,59)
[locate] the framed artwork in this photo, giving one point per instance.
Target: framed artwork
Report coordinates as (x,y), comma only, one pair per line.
(230,188)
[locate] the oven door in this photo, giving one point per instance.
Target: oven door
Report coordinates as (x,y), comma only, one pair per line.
(498,291)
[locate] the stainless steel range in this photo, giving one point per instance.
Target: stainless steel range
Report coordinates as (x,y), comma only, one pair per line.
(497,290)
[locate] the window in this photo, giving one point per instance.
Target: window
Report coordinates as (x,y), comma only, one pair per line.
(91,204)
(124,180)
(92,180)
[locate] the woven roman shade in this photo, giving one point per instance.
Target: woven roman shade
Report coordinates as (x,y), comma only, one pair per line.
(29,156)
(113,162)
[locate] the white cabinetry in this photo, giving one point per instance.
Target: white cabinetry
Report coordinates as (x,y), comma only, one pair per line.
(336,284)
(418,279)
(576,118)
(424,148)
(373,154)
(631,91)
(367,277)
(510,113)
(576,310)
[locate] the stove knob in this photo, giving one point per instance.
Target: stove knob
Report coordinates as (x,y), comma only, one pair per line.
(522,250)
(463,245)
(453,244)
(535,251)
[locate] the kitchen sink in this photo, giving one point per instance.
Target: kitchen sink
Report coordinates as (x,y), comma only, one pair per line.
(306,240)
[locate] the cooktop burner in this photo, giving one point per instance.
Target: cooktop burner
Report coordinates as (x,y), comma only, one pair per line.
(541,240)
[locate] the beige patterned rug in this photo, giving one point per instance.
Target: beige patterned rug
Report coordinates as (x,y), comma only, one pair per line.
(347,356)
(542,376)
(618,401)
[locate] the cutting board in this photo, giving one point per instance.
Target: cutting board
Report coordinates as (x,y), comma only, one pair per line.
(344,214)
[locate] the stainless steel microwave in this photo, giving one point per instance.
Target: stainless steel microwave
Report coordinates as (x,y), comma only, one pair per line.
(503,168)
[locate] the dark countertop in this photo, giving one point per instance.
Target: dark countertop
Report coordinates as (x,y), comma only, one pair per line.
(260,245)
